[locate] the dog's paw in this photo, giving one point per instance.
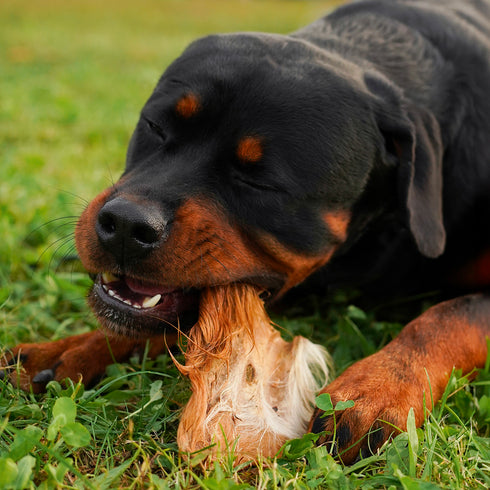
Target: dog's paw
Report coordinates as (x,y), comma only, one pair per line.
(382,400)
(78,357)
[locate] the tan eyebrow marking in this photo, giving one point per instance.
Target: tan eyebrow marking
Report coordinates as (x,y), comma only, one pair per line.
(188,105)
(250,149)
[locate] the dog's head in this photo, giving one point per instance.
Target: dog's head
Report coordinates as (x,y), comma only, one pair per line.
(254,160)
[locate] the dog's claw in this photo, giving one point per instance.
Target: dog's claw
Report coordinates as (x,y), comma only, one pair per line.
(12,361)
(44,376)
(358,433)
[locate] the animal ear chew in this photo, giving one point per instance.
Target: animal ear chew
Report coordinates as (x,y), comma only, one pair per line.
(251,390)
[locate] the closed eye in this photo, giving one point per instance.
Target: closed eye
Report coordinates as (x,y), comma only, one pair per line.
(155,128)
(262,186)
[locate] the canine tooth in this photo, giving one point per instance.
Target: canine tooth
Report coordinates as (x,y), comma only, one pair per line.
(108,277)
(150,302)
(105,288)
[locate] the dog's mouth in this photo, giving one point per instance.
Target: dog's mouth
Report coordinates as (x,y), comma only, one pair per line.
(128,305)
(138,294)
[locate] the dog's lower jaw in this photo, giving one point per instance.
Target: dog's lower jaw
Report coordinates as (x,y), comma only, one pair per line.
(123,318)
(252,390)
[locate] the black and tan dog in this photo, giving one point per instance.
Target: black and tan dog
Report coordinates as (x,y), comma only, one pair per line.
(356,150)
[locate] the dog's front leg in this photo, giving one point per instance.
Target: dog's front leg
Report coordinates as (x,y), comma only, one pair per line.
(84,356)
(412,368)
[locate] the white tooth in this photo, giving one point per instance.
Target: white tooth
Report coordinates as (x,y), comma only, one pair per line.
(111,292)
(108,277)
(137,306)
(151,302)
(128,302)
(106,289)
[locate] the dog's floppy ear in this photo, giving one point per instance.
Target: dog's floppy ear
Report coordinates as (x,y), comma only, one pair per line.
(412,134)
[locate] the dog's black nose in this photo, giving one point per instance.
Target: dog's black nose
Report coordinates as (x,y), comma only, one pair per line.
(129,230)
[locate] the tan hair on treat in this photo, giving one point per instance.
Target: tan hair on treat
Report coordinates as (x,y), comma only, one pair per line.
(249,386)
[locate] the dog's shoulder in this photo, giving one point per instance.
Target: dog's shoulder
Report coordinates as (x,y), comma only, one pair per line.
(451,27)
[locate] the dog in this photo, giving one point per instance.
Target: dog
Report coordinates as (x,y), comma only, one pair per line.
(353,151)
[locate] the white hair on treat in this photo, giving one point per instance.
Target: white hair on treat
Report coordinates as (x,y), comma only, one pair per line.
(308,375)
(251,388)
(278,406)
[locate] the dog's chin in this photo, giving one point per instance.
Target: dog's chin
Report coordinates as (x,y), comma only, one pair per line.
(131,307)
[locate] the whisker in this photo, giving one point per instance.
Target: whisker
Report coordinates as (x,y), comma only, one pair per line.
(112,182)
(69,256)
(221,263)
(64,242)
(73,221)
(63,239)
(76,196)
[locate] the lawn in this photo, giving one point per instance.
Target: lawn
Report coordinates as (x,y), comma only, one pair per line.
(73,77)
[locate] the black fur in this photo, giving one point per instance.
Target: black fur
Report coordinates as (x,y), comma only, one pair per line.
(381,108)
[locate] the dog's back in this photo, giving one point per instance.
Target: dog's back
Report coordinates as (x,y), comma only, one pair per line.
(435,56)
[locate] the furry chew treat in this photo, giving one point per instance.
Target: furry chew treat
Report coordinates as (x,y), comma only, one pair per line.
(249,386)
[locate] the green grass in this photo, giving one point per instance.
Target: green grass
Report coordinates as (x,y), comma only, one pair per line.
(73,77)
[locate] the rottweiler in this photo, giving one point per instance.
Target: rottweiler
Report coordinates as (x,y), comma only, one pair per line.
(354,151)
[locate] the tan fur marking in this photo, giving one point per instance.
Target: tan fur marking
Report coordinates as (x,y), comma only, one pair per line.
(86,240)
(188,106)
(475,274)
(250,149)
(338,222)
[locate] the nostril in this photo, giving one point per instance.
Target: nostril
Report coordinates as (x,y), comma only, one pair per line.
(107,223)
(145,233)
